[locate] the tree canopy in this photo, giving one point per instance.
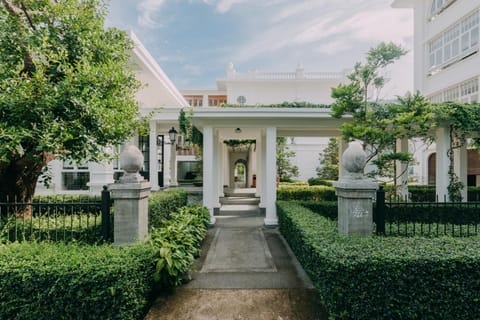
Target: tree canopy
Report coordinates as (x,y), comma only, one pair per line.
(66,90)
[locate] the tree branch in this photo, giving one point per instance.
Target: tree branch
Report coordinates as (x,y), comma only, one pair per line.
(30,22)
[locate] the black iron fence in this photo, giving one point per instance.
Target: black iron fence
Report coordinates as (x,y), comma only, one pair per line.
(397,217)
(62,218)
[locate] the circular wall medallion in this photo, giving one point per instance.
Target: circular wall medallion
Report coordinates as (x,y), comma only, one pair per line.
(241,99)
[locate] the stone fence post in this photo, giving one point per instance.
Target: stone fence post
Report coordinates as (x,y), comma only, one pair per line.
(355,194)
(130,197)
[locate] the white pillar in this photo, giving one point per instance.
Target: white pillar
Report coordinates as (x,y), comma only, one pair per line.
(226,166)
(271,176)
(166,160)
(460,165)
(173,164)
(217,172)
(342,146)
(205,100)
(153,156)
(220,164)
(208,170)
(402,169)
(442,139)
(258,169)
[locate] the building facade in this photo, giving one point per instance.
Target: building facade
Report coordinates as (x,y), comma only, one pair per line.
(446,68)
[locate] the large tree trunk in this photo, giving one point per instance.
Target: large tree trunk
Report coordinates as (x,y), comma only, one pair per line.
(18,180)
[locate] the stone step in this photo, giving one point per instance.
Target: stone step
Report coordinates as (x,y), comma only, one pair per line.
(240,200)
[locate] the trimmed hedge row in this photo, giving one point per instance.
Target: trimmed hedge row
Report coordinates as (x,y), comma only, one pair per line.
(319,182)
(305,193)
(72,281)
(384,278)
(162,203)
(426,193)
(59,281)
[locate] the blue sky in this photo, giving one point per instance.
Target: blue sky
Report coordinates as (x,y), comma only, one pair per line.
(194,40)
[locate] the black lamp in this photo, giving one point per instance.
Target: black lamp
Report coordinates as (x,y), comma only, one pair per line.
(172,134)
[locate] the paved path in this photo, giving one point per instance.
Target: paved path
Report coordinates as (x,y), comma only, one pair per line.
(246,271)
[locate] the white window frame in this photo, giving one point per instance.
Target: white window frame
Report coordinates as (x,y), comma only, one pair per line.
(454,44)
(465,91)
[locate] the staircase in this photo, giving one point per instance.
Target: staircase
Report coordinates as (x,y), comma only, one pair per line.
(239,203)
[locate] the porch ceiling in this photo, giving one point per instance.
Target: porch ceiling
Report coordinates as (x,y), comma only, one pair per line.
(290,122)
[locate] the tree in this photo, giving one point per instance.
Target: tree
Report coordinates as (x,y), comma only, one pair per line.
(285,169)
(66,91)
(380,125)
(329,161)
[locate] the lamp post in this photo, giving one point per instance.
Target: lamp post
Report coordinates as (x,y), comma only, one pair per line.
(172,134)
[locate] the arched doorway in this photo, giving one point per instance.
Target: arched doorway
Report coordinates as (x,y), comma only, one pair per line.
(473,171)
(240,173)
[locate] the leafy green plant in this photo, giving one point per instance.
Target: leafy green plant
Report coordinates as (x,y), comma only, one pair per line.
(177,243)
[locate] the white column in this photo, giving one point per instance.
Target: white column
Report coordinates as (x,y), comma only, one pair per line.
(258,169)
(226,166)
(221,164)
(173,164)
(402,169)
(166,160)
(208,170)
(205,100)
(442,139)
(342,146)
(271,176)
(153,156)
(460,165)
(216,171)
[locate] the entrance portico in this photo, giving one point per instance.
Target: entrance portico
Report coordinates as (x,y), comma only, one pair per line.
(263,125)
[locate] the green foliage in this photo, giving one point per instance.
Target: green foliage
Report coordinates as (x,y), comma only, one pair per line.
(191,133)
(327,209)
(161,204)
(286,171)
(177,243)
(384,278)
(319,182)
(304,193)
(329,161)
(66,88)
(57,281)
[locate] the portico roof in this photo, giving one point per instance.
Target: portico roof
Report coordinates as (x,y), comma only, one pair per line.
(290,122)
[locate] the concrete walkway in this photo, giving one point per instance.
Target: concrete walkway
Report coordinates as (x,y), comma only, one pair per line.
(246,271)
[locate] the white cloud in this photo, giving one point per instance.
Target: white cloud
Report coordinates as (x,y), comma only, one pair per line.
(147,10)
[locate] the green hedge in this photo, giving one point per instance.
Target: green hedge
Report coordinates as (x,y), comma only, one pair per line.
(319,182)
(305,193)
(162,203)
(384,278)
(58,281)
(426,193)
(328,209)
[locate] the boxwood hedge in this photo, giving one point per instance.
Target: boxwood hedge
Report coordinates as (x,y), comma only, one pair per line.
(69,281)
(305,193)
(162,203)
(384,278)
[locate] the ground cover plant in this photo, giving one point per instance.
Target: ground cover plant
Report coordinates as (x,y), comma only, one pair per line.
(384,277)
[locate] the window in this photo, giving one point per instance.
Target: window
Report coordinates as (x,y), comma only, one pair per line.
(457,42)
(214,101)
(467,91)
(439,5)
(75,176)
(194,101)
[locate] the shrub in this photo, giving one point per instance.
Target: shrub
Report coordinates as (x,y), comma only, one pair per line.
(384,278)
(328,209)
(59,281)
(161,204)
(177,243)
(319,182)
(305,193)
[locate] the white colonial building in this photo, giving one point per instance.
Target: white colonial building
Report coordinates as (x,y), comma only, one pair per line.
(446,68)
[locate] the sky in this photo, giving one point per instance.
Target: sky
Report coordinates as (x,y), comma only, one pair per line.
(193,41)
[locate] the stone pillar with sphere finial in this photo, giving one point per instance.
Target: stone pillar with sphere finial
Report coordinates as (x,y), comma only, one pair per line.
(355,194)
(130,196)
